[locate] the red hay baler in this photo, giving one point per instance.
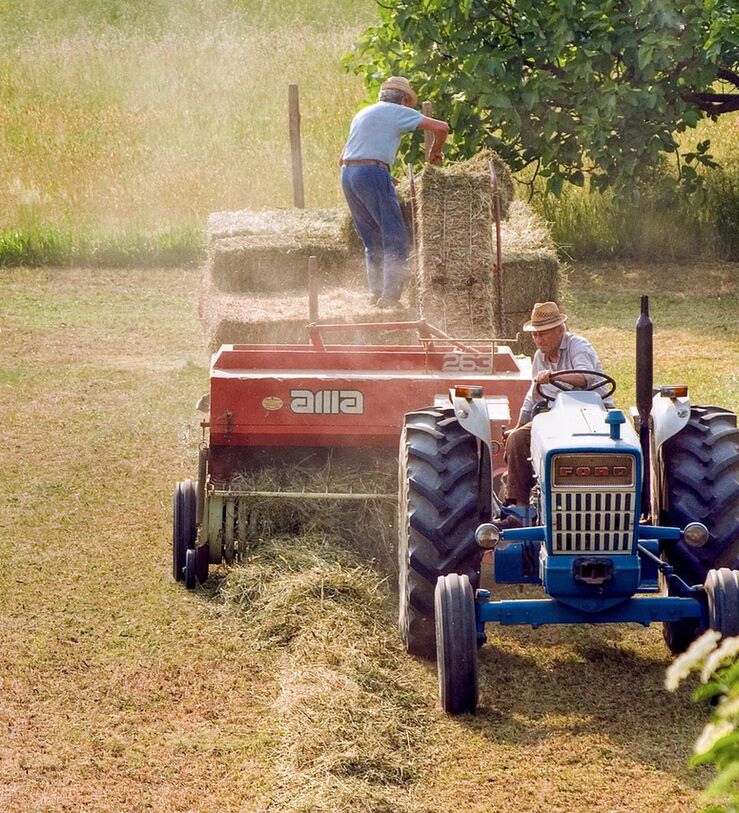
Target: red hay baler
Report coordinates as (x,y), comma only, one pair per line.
(268,399)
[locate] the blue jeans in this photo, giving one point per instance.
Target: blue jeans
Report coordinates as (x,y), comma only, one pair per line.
(370,193)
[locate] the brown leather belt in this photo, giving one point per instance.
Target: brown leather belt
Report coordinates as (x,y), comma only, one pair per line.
(371,161)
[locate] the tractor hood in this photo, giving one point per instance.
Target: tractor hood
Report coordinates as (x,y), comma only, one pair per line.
(577,421)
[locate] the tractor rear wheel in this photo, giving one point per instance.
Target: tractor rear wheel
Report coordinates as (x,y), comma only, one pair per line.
(439,510)
(701,467)
(722,591)
(184,526)
(456,644)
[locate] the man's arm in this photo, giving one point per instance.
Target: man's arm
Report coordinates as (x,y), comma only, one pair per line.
(440,129)
(574,380)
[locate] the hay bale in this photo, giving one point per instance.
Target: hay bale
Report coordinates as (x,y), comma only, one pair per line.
(311,225)
(259,318)
(455,248)
(269,250)
(530,269)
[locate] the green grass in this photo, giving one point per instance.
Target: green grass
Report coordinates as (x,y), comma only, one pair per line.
(46,245)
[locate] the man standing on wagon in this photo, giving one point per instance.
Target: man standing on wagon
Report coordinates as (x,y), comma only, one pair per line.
(370,150)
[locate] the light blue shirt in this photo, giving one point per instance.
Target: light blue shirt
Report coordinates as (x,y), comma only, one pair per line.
(375,131)
(575,353)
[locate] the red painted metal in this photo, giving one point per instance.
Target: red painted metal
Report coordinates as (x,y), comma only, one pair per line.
(350,396)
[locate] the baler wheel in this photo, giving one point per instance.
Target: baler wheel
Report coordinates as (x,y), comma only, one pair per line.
(456,644)
(722,591)
(701,465)
(191,565)
(439,509)
(184,527)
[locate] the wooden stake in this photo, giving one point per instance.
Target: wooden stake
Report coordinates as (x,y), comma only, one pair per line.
(297,158)
(312,289)
(428,136)
(498,269)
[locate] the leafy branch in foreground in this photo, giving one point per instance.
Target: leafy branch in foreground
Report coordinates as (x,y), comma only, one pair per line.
(574,89)
(719,740)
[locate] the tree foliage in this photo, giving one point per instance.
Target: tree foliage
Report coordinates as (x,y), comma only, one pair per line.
(576,88)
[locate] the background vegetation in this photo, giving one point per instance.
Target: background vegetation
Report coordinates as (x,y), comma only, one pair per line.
(123,124)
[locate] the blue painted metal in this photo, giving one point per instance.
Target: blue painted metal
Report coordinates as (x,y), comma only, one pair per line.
(647,532)
(649,582)
(517,563)
(614,418)
(641,610)
(559,581)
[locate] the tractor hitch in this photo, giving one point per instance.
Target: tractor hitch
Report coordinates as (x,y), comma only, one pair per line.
(593,571)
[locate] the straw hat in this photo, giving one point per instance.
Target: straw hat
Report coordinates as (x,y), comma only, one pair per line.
(400,83)
(545,315)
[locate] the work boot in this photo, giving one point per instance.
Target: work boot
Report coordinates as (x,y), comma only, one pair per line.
(385,303)
(374,299)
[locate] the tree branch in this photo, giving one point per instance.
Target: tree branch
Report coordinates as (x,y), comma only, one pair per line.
(714,103)
(728,76)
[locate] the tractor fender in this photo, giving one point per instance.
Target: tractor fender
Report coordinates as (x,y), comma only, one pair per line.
(472,414)
(669,416)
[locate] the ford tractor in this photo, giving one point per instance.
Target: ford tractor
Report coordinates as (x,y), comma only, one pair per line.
(632,521)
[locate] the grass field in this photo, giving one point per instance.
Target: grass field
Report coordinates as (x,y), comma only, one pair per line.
(123,125)
(120,691)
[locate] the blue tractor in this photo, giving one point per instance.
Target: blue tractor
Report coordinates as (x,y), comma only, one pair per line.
(634,522)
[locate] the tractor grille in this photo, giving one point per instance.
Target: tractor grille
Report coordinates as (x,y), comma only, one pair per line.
(592,521)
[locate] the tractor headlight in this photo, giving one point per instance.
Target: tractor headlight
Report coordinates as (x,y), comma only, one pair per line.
(487,536)
(695,534)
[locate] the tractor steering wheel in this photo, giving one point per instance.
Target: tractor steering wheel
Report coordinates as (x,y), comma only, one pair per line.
(601,380)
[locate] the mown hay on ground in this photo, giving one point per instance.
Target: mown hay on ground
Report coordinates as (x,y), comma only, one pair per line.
(355,733)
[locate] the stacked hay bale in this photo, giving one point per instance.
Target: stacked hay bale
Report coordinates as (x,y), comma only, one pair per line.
(457,250)
(255,283)
(530,267)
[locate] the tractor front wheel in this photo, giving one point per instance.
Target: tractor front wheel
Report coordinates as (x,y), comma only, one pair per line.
(722,591)
(439,510)
(456,644)
(184,525)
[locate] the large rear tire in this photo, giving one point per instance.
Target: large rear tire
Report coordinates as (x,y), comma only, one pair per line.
(701,469)
(456,644)
(184,525)
(439,510)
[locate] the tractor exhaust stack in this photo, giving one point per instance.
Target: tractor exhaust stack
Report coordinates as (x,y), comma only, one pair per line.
(644,387)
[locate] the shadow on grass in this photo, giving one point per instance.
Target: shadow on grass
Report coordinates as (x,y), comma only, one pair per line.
(581,681)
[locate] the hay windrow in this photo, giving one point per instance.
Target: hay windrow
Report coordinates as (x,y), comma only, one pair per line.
(354,732)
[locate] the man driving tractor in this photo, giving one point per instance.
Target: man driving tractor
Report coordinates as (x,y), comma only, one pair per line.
(557,350)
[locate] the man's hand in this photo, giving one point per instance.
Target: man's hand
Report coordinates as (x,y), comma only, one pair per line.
(542,377)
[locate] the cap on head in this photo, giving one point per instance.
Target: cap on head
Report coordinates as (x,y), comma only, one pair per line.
(400,83)
(544,316)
